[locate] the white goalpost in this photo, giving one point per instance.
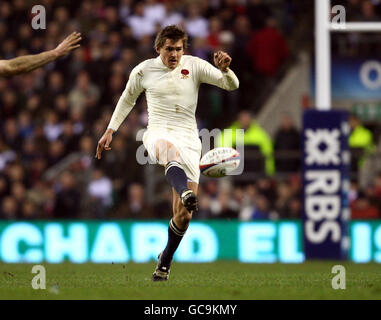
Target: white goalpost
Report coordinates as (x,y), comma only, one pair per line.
(323,29)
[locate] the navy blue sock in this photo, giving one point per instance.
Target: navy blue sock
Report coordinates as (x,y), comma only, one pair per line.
(176,176)
(174,238)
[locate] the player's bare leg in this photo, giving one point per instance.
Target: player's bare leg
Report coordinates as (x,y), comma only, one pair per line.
(184,203)
(169,157)
(181,216)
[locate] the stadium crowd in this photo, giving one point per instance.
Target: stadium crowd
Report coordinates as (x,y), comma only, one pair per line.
(51,119)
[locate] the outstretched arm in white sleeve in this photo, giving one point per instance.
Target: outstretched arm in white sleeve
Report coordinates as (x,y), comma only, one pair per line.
(222,77)
(124,106)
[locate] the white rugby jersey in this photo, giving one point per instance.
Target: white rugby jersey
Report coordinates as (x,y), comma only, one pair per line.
(171,93)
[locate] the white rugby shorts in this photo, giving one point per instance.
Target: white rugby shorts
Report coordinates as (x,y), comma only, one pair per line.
(186,142)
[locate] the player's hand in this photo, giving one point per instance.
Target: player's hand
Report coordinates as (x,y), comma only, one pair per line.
(222,60)
(104,143)
(70,43)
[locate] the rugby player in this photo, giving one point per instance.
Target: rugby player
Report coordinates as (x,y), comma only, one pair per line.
(171,82)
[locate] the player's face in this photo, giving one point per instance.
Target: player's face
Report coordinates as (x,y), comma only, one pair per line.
(171,52)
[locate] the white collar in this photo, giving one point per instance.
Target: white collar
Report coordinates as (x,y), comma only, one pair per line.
(162,65)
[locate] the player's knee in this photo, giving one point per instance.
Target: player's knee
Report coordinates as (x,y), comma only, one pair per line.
(166,152)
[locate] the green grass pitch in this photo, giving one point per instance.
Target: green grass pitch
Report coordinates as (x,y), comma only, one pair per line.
(210,281)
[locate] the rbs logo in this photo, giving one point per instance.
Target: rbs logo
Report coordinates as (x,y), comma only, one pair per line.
(322,185)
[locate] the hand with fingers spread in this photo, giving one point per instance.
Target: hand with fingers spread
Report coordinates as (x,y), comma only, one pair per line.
(222,60)
(27,63)
(69,44)
(104,143)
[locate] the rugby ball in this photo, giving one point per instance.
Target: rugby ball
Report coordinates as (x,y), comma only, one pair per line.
(219,162)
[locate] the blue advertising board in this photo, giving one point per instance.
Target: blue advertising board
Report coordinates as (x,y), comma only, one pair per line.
(326,161)
(81,241)
(353,78)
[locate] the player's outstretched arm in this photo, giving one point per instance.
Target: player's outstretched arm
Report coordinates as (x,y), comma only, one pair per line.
(29,63)
(221,75)
(124,106)
(104,143)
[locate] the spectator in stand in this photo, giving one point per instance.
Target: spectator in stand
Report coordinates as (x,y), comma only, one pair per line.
(367,13)
(295,208)
(250,193)
(61,107)
(69,138)
(4,186)
(114,24)
(43,196)
(352,8)
(61,17)
(16,173)
(224,207)
(195,24)
(29,210)
(258,12)
(56,152)
(215,28)
(9,106)
(140,24)
(377,186)
(228,12)
(361,208)
(155,11)
(173,16)
(268,49)
(136,206)
(204,205)
(84,96)
(67,204)
(253,136)
(115,159)
(125,9)
(267,187)
(163,205)
(78,62)
(28,152)
(200,48)
(287,146)
(262,209)
(283,198)
(9,209)
(34,107)
(10,134)
(52,127)
(6,154)
(25,125)
(38,165)
(242,33)
(18,192)
(100,191)
(360,142)
(55,87)
(375,190)
(210,187)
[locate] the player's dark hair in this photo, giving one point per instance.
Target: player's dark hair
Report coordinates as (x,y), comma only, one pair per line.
(174,33)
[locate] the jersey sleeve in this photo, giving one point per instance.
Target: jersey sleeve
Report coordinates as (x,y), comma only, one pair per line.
(128,98)
(211,75)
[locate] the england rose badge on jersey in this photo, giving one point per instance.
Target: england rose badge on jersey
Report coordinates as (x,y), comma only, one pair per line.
(184,73)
